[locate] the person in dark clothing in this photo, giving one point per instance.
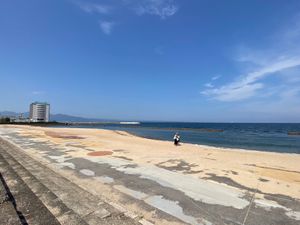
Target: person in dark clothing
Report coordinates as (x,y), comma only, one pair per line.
(176,139)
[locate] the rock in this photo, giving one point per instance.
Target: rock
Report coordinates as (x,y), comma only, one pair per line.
(294,133)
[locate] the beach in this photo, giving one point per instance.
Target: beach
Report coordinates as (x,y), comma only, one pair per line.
(156,172)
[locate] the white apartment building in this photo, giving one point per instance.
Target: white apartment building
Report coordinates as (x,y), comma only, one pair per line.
(39,112)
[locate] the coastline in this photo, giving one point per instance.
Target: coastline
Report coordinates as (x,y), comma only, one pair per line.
(267,138)
(213,147)
(138,173)
(190,143)
(201,161)
(201,146)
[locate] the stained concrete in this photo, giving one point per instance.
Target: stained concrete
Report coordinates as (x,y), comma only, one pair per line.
(67,202)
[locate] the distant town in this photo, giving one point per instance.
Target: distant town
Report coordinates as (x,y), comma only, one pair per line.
(39,112)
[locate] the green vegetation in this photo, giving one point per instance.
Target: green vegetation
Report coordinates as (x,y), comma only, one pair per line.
(4,120)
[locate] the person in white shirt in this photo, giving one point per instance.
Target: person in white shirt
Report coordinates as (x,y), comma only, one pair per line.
(176,139)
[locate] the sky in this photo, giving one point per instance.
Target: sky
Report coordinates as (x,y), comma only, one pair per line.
(154,60)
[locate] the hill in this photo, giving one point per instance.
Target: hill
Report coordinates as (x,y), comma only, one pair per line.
(56,117)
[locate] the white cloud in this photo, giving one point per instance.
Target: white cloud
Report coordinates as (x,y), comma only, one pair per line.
(234,94)
(106,26)
(215,77)
(161,8)
(247,85)
(279,58)
(209,85)
(285,107)
(94,8)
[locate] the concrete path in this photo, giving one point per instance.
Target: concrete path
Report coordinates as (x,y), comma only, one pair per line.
(19,204)
(160,195)
(41,196)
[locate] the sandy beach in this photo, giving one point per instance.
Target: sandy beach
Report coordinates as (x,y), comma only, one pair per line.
(183,167)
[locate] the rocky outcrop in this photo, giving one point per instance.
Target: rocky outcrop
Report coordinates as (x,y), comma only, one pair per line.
(294,133)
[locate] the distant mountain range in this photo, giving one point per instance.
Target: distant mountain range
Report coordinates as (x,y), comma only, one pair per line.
(57,117)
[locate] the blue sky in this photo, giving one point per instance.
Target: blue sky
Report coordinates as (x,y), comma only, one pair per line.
(167,60)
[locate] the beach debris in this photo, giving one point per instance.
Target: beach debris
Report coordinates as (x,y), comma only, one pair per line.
(294,133)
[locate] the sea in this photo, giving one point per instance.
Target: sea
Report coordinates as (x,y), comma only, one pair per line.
(273,137)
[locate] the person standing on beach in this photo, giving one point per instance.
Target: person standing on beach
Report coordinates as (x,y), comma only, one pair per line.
(176,139)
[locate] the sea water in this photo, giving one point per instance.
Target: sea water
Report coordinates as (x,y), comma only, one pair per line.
(253,136)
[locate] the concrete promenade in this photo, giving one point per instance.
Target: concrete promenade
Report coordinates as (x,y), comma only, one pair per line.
(31,193)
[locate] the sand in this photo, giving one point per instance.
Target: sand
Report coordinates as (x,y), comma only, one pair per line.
(274,173)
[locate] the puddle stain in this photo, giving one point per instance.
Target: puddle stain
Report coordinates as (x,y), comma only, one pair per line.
(173,209)
(87,172)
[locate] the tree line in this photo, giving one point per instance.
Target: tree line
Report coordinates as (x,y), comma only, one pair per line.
(4,120)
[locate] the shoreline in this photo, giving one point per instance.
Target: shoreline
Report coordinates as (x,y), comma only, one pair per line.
(211,147)
(208,146)
(189,143)
(266,146)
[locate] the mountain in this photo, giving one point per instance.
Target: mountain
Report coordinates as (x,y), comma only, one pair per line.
(68,118)
(56,117)
(9,113)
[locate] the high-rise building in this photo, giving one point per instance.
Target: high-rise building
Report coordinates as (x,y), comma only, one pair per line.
(39,112)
